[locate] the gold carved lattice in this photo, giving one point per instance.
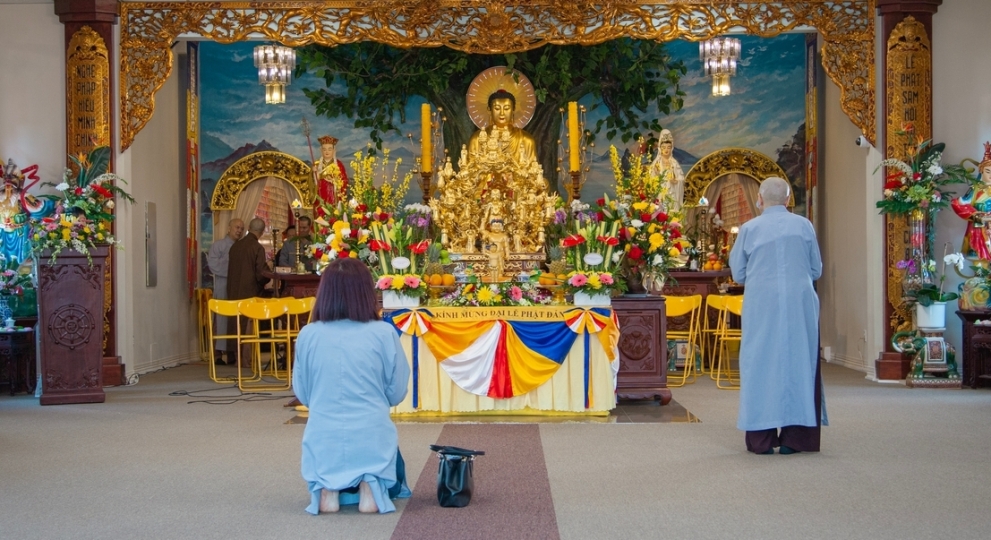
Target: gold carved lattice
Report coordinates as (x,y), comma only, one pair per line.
(262,165)
(908,98)
(488,27)
(727,161)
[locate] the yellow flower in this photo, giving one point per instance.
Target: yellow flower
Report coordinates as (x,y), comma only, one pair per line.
(52,235)
(640,206)
(632,231)
(338,225)
(102,225)
(674,252)
(335,243)
(397,282)
(353,254)
(484,294)
(325,257)
(652,228)
(37,237)
(656,241)
(593,281)
(66,234)
(99,236)
(87,230)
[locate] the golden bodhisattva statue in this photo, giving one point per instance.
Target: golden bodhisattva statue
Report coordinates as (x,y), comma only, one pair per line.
(493,211)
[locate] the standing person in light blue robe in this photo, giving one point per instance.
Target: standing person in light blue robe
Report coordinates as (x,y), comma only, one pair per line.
(349,369)
(776,257)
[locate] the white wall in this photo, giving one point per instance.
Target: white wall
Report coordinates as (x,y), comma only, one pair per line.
(850,235)
(32,89)
(961,109)
(156,324)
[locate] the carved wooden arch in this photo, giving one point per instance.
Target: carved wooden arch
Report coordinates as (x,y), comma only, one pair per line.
(262,165)
(488,27)
(727,161)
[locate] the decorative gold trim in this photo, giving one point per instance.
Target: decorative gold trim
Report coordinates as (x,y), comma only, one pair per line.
(262,165)
(726,161)
(908,98)
(488,27)
(87,96)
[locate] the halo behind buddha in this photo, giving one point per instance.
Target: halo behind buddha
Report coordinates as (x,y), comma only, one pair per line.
(501,78)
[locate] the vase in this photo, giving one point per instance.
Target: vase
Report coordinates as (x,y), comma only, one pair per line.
(918,273)
(634,285)
(931,317)
(70,324)
(591,300)
(396,300)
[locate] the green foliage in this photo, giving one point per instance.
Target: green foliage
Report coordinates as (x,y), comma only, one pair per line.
(627,76)
(929,293)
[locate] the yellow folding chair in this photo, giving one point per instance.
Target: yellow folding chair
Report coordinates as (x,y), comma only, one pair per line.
(298,308)
(203,317)
(257,313)
(709,323)
(220,308)
(726,377)
(681,306)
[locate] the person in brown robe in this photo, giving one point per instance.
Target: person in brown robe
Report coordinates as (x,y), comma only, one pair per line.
(245,273)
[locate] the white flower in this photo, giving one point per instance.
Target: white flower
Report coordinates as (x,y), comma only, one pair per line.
(935,169)
(616,256)
(936,196)
(658,260)
(345,233)
(888,193)
(63,186)
(636,223)
(955,259)
(353,203)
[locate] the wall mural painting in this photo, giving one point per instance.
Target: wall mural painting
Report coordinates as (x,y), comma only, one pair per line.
(765,112)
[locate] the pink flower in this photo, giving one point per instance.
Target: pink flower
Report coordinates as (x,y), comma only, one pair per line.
(605,279)
(412,281)
(384,283)
(515,293)
(578,280)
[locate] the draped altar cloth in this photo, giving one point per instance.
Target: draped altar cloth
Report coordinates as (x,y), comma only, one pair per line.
(508,359)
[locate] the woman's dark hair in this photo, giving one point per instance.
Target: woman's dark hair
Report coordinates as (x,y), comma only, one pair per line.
(346,291)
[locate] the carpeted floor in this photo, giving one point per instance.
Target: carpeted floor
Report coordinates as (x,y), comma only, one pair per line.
(177,456)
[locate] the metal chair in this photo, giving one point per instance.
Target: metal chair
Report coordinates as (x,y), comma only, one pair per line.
(220,308)
(680,306)
(726,377)
(298,308)
(257,313)
(714,305)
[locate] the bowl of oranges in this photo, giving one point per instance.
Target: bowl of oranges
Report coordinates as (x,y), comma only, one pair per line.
(438,285)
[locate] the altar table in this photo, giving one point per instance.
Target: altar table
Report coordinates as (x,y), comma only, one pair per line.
(542,360)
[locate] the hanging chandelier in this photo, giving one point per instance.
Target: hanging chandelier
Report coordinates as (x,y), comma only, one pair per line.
(275,64)
(719,56)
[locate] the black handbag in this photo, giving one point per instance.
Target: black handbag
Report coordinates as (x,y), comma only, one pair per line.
(454,475)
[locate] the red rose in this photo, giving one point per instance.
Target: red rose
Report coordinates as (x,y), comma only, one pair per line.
(635,252)
(600,202)
(362,207)
(662,217)
(331,220)
(675,233)
(383,217)
(916,176)
(321,212)
(645,218)
(600,216)
(317,253)
(643,197)
(79,191)
(355,233)
(344,254)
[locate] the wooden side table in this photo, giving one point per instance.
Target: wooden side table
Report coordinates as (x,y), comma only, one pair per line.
(643,351)
(975,358)
(17,359)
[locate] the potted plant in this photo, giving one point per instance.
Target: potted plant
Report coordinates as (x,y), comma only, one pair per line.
(930,300)
(70,250)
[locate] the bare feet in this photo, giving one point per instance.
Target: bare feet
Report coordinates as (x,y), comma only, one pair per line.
(366,501)
(329,501)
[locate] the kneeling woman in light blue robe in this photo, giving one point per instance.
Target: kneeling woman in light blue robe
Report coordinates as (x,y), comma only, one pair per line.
(349,370)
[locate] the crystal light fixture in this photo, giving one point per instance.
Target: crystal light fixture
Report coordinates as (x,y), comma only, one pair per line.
(275,64)
(719,56)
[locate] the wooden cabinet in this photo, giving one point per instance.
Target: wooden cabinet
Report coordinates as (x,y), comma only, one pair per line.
(975,358)
(643,352)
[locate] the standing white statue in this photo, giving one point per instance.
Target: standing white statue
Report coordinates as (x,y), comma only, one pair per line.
(673,179)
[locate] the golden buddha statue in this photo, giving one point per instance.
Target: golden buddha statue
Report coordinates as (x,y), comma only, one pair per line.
(500,135)
(495,245)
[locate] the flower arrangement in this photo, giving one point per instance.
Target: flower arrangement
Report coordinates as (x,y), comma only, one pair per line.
(636,181)
(927,292)
(404,284)
(593,249)
(918,184)
(475,293)
(12,281)
(370,170)
(83,207)
(591,283)
(650,238)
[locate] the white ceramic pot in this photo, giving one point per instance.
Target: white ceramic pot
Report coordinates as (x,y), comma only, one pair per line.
(394,300)
(584,299)
(933,316)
